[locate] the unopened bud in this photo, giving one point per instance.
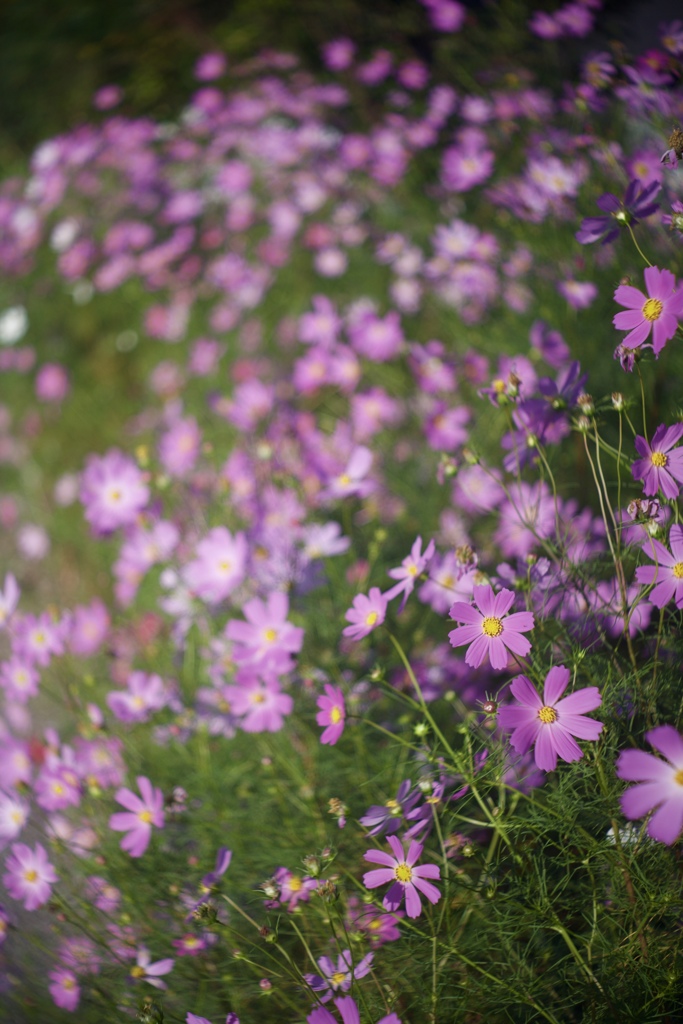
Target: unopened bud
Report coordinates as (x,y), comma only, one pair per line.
(618,400)
(586,404)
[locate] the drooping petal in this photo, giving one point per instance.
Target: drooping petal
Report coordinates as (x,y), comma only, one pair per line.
(566,746)
(429,890)
(545,752)
(665,824)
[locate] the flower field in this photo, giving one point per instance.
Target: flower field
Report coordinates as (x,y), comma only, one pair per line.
(341,552)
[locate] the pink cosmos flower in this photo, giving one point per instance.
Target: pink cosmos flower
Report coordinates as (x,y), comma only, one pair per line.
(658,311)
(667,573)
(145,694)
(14,814)
(490,631)
(261,703)
(219,565)
(142,815)
(660,784)
(366,614)
(338,976)
(113,491)
(409,571)
(29,875)
(64,989)
(146,971)
(551,724)
(406,878)
(660,468)
(267,641)
(332,714)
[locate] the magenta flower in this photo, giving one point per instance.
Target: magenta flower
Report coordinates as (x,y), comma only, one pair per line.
(406,878)
(64,989)
(113,491)
(267,641)
(667,573)
(339,976)
(409,571)
(367,613)
(29,875)
(142,815)
(490,631)
(551,724)
(332,714)
(660,784)
(146,971)
(658,311)
(660,467)
(260,702)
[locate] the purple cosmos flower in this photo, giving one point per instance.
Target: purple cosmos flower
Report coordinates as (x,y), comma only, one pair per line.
(339,977)
(146,971)
(113,491)
(366,614)
(636,205)
(260,702)
(387,818)
(550,723)
(14,814)
(490,631)
(88,628)
(293,889)
(142,815)
(667,573)
(219,565)
(658,311)
(64,989)
(266,641)
(410,569)
(349,1012)
(660,786)
(145,694)
(375,926)
(29,875)
(406,878)
(660,468)
(332,714)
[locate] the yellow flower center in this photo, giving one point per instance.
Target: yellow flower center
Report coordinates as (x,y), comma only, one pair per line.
(375,924)
(403,873)
(137,972)
(678,777)
(295,884)
(371,619)
(658,459)
(498,386)
(270,635)
(335,715)
(677,570)
(412,570)
(547,715)
(345,480)
(652,310)
(491,626)
(145,816)
(224,566)
(257,698)
(337,978)
(393,806)
(30,876)
(115,495)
